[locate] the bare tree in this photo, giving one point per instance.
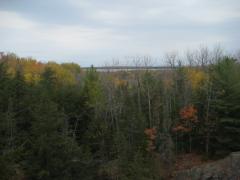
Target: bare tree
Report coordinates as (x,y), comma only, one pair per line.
(237,55)
(137,63)
(190,58)
(171,58)
(202,56)
(217,54)
(147,61)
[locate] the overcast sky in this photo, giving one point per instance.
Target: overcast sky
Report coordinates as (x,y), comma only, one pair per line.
(94,31)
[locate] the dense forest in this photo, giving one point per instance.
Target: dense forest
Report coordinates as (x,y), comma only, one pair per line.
(60,121)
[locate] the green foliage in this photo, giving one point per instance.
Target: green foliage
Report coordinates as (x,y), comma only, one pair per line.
(58,121)
(226,83)
(92,89)
(226,78)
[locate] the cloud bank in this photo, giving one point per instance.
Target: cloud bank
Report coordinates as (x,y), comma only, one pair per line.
(91,32)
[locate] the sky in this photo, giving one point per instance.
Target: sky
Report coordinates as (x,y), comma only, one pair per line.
(95,31)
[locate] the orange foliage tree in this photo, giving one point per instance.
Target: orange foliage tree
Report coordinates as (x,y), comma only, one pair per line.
(188,117)
(188,120)
(151,134)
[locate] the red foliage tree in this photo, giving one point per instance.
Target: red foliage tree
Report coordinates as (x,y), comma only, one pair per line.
(151,134)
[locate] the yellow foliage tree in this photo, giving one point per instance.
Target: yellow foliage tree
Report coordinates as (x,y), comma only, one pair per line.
(196,78)
(63,75)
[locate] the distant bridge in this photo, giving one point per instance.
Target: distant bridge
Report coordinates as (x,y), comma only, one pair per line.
(128,68)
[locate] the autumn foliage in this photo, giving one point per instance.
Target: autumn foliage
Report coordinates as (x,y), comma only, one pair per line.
(188,117)
(189,113)
(151,134)
(196,77)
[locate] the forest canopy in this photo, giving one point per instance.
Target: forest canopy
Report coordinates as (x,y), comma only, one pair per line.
(61,121)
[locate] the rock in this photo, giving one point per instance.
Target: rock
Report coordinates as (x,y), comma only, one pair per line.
(225,169)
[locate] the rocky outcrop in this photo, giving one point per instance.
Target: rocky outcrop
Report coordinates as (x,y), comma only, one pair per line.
(225,169)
